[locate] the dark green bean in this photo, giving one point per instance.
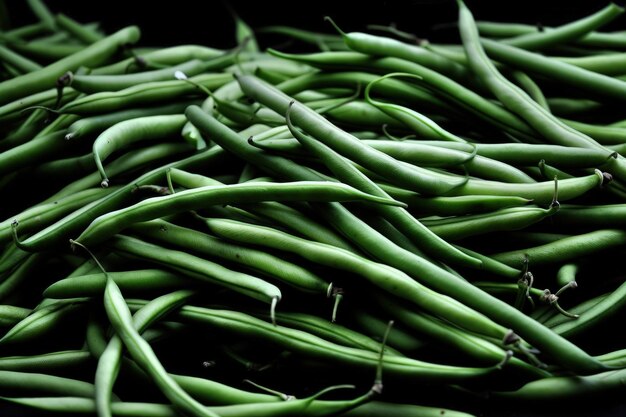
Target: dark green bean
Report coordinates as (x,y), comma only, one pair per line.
(81,32)
(11,315)
(92,55)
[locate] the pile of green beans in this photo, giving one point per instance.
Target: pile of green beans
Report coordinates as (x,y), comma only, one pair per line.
(203,232)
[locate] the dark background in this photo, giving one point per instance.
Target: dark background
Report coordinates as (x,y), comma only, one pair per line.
(209,22)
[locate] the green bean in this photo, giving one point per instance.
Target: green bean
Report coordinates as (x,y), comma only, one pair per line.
(21,63)
(18,274)
(63,229)
(530,87)
(48,97)
(200,269)
(462,342)
(314,38)
(134,130)
(579,309)
(388,47)
(26,32)
(605,135)
(567,107)
(44,214)
(80,32)
(30,383)
(609,64)
(277,212)
(10,315)
(42,12)
(93,284)
(142,94)
(47,362)
(258,261)
(119,315)
(512,96)
(115,221)
(335,144)
(96,83)
(606,308)
(92,55)
(572,388)
(109,361)
(443,86)
(400,339)
(567,273)
(568,32)
(567,249)
(579,78)
(602,215)
(515,218)
(389,279)
(42,321)
(562,351)
(312,346)
(46,51)
(616,358)
(129,162)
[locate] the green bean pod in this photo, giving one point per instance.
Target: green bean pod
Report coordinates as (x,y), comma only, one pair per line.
(46,77)
(31,383)
(47,362)
(11,315)
(262,262)
(131,131)
(132,281)
(115,221)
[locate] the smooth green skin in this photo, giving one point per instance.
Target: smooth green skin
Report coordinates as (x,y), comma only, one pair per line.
(121,320)
(606,308)
(567,74)
(540,192)
(115,221)
(302,35)
(96,124)
(26,31)
(316,408)
(569,388)
(198,268)
(566,274)
(39,8)
(388,47)
(79,31)
(511,96)
(399,339)
(560,350)
(11,315)
(47,362)
(19,270)
(608,64)
(524,154)
(171,56)
(59,232)
(602,216)
(424,155)
(261,262)
(96,83)
(44,214)
(33,152)
(132,281)
(143,94)
(46,77)
(568,32)
(23,64)
(280,213)
(467,344)
(452,206)
(308,345)
(335,146)
(569,107)
(37,383)
(129,132)
(553,318)
(332,332)
(567,249)
(46,50)
(390,88)
(417,122)
(616,358)
(293,408)
(110,361)
(42,321)
(530,87)
(594,39)
(126,163)
(47,98)
(381,275)
(605,135)
(444,87)
(509,219)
